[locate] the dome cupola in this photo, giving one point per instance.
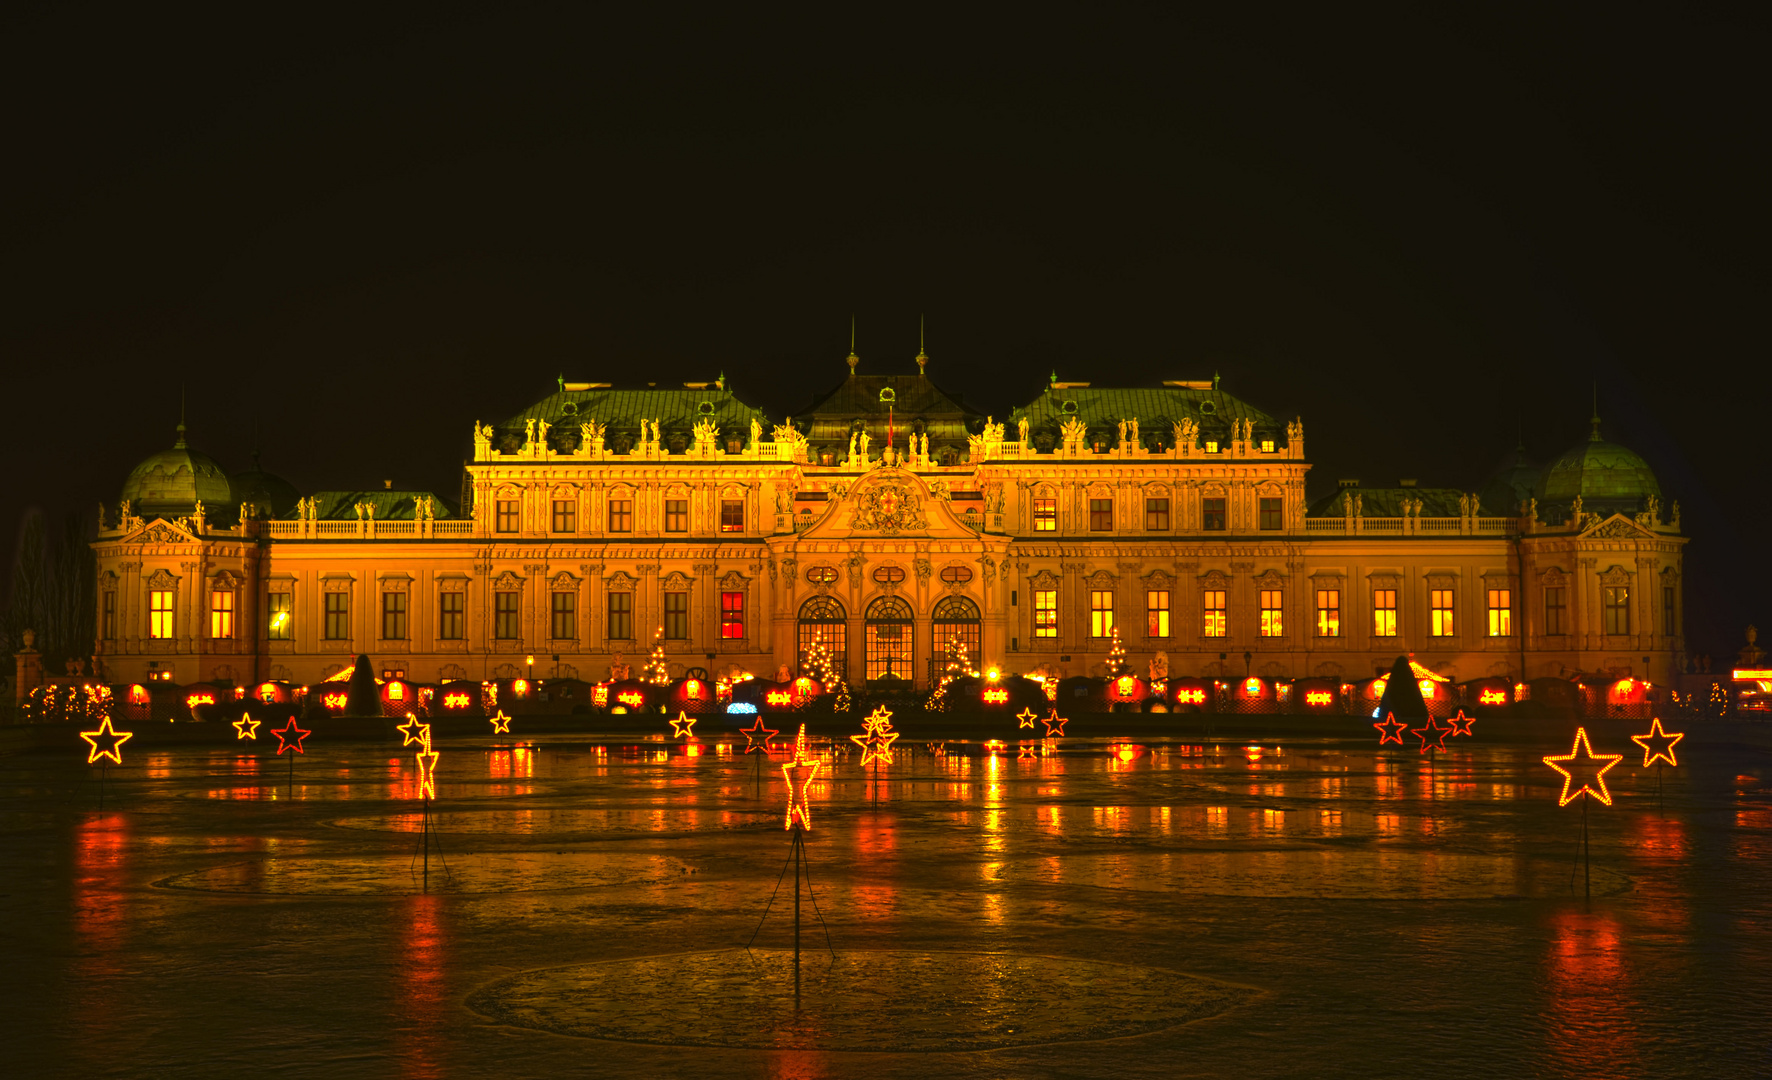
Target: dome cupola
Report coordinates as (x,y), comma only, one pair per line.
(171,483)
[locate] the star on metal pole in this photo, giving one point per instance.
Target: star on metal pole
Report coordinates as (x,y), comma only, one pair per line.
(111,739)
(683,727)
(414,730)
(1658,745)
(1461,724)
(290,737)
(427,769)
(799,774)
(1055,724)
(501,724)
(1026,718)
(757,737)
(1390,729)
(1435,733)
(1584,772)
(246,727)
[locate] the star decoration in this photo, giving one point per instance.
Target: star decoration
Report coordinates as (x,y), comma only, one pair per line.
(757,737)
(1435,732)
(1390,729)
(289,738)
(112,741)
(683,727)
(501,724)
(1028,750)
(1054,724)
(415,730)
(427,770)
(1461,724)
(799,774)
(1027,718)
(247,727)
(1582,770)
(876,746)
(877,721)
(1658,745)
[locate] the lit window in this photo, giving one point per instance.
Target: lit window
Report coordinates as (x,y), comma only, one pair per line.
(507,516)
(1045,613)
(1271,625)
(1212,603)
(160,613)
(621,616)
(1045,515)
(1501,613)
(731,515)
(1212,446)
(280,623)
(1440,610)
(621,515)
(1101,515)
(565,515)
(1156,612)
(1617,605)
(1384,613)
(732,615)
(393,616)
(338,616)
(956,575)
(676,616)
(565,615)
(1328,612)
(1272,518)
(451,615)
(1212,515)
(676,515)
(1267,446)
(1101,613)
(1556,608)
(1156,515)
(221,613)
(505,625)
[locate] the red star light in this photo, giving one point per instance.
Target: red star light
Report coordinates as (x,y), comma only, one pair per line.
(799,774)
(1390,729)
(289,738)
(247,727)
(501,724)
(683,727)
(757,737)
(1027,718)
(1658,745)
(415,731)
(1583,770)
(1435,732)
(1054,724)
(1461,724)
(106,742)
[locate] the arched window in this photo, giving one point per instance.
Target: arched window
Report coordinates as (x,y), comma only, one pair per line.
(822,619)
(954,617)
(890,637)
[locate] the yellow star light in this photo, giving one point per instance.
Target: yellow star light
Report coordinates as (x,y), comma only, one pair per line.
(427,771)
(1658,745)
(683,727)
(1027,718)
(501,724)
(112,739)
(879,720)
(1028,750)
(415,731)
(247,727)
(876,746)
(1582,760)
(799,774)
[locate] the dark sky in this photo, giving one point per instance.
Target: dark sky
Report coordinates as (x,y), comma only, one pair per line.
(352,234)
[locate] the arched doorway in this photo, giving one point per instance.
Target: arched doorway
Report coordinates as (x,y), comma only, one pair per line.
(822,619)
(890,640)
(954,617)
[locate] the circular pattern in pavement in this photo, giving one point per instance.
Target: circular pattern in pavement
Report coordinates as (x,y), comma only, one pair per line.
(504,872)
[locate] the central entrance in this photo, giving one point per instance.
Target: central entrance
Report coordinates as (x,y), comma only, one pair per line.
(890,641)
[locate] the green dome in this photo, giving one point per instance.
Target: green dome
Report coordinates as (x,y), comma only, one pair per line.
(170,483)
(1514,481)
(270,493)
(1606,476)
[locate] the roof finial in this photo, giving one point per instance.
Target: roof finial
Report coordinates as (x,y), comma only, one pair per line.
(179,444)
(853,359)
(922,352)
(1215,380)
(1594,435)
(720,383)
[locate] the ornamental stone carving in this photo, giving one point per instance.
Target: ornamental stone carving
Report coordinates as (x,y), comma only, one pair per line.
(1214,579)
(1615,576)
(1045,581)
(923,569)
(889,507)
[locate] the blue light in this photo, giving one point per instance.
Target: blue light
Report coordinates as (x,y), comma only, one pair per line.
(742,707)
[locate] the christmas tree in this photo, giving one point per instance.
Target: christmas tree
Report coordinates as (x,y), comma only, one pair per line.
(818,663)
(654,672)
(953,667)
(1116,659)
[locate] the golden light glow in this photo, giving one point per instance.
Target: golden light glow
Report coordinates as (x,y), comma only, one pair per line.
(520,687)
(1581,758)
(111,739)
(1658,745)
(1492,697)
(246,727)
(1318,697)
(799,774)
(996,697)
(778,697)
(1195,695)
(600,695)
(456,701)
(335,701)
(631,698)
(199,698)
(1252,687)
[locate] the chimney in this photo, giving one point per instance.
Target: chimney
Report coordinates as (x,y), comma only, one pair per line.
(1406,483)
(387,485)
(1345,484)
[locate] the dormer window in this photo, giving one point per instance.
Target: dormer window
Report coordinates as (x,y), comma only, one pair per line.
(888,396)
(1067,407)
(1207,408)
(1267,446)
(706,408)
(1212,446)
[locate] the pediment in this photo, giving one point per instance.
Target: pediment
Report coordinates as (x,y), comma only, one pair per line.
(1617,527)
(889,502)
(160,531)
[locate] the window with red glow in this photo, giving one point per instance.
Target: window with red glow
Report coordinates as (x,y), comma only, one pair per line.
(1212,603)
(1045,613)
(1156,613)
(731,515)
(1045,515)
(732,615)
(1328,612)
(1271,602)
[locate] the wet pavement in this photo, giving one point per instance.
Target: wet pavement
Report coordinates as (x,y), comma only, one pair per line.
(1075,908)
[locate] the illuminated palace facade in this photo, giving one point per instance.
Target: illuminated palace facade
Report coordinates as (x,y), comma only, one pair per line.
(886,520)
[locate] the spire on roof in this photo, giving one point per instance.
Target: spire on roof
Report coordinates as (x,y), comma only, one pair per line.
(1215,380)
(922,352)
(179,443)
(1594,435)
(560,379)
(853,359)
(720,383)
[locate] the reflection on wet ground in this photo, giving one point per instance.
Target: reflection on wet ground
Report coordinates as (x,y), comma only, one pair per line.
(1309,909)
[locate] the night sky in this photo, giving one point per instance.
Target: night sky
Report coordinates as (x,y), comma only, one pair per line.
(350,234)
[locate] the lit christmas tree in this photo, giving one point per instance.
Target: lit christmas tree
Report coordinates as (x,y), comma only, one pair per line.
(956,665)
(1116,659)
(654,672)
(818,663)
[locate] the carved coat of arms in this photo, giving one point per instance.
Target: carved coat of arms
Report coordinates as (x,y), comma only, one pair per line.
(891,506)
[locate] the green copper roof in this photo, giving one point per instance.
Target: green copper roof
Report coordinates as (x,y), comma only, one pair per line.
(676,409)
(1388,502)
(171,482)
(1605,475)
(1155,408)
(389,505)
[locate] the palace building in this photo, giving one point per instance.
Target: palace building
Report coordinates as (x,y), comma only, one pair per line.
(885,521)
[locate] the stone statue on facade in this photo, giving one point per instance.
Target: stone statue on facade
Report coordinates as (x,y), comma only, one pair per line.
(1132,431)
(1021,428)
(482,440)
(862,438)
(1073,429)
(529,434)
(1159,666)
(1122,427)
(619,669)
(1575,514)
(756,434)
(1673,519)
